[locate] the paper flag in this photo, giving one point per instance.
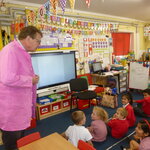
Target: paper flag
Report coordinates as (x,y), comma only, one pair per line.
(88,2)
(47,8)
(63,5)
(41,12)
(72,3)
(54,4)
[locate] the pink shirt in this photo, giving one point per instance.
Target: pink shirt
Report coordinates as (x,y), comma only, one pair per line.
(17,94)
(99,130)
(145,144)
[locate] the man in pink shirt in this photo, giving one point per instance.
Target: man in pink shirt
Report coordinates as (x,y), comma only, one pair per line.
(18,86)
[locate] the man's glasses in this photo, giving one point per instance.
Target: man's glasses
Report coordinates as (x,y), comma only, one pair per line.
(38,41)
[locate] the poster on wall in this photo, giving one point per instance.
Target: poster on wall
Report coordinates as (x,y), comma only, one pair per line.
(55,40)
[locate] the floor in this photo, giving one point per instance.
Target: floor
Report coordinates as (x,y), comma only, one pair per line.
(59,123)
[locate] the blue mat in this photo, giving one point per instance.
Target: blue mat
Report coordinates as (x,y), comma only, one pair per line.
(59,123)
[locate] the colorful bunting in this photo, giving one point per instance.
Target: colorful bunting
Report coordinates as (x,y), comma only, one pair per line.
(63,5)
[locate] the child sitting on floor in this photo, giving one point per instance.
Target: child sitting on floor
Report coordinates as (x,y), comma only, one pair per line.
(118,124)
(142,137)
(77,131)
(127,104)
(143,106)
(98,128)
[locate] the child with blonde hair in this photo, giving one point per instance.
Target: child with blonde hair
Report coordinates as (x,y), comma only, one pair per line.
(77,131)
(119,124)
(98,128)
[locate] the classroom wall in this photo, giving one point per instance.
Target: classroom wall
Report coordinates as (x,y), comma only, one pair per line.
(139,43)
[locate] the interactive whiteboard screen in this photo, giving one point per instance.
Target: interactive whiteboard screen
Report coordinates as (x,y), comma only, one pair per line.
(54,68)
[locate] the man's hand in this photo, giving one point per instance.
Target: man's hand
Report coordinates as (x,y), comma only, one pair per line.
(35,79)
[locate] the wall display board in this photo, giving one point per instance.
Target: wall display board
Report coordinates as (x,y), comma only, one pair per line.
(93,44)
(92,48)
(56,40)
(139,75)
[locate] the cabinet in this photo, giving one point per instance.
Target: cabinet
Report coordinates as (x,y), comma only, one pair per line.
(99,79)
(103,79)
(123,80)
(53,108)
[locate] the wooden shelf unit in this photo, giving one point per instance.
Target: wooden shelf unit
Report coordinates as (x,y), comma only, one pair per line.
(53,108)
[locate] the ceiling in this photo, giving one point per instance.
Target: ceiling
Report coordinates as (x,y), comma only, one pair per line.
(134,9)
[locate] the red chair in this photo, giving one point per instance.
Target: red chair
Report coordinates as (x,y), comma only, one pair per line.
(84,146)
(28,139)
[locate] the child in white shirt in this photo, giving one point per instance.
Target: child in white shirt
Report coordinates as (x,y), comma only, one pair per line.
(77,131)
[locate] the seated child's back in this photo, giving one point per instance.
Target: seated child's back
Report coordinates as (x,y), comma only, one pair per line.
(77,131)
(98,127)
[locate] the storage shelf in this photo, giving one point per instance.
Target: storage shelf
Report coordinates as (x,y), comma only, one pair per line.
(53,108)
(123,81)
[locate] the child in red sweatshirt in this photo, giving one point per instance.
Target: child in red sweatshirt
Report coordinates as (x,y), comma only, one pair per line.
(143,106)
(119,124)
(127,104)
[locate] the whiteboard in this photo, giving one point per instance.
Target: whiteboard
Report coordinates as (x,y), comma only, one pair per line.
(138,76)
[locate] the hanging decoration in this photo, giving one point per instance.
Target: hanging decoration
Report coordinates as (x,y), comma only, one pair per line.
(54,4)
(47,8)
(63,5)
(41,13)
(72,3)
(88,2)
(43,19)
(147,30)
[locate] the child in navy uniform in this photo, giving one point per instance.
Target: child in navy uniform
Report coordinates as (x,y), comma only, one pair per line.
(127,104)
